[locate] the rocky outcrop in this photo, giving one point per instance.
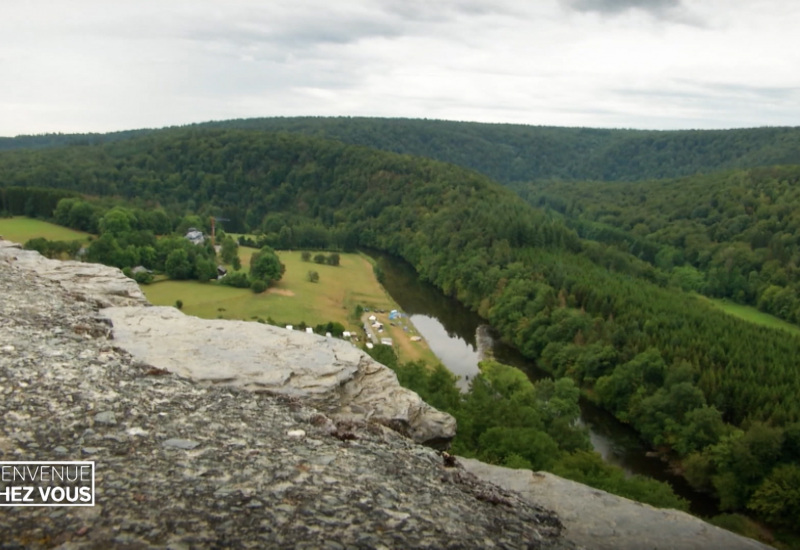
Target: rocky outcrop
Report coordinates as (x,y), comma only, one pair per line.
(602,521)
(183,464)
(329,374)
(104,285)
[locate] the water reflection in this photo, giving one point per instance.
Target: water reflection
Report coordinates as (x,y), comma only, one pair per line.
(460,338)
(455,353)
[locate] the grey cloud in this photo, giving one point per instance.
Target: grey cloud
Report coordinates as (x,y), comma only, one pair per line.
(669,10)
(424,11)
(295,33)
(719,105)
(716,92)
(612,7)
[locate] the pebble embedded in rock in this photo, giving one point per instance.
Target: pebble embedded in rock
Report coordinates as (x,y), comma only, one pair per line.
(297,434)
(185,444)
(106,417)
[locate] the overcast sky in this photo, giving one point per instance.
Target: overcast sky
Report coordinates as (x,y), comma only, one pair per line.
(88,65)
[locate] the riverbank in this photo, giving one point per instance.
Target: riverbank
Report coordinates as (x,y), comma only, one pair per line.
(456,343)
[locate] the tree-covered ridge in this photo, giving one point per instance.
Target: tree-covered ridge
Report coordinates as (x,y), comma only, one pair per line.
(684,374)
(42,141)
(515,152)
(734,235)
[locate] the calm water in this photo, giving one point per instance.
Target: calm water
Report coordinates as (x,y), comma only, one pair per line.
(460,338)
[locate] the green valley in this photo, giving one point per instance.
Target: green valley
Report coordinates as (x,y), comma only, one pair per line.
(592,279)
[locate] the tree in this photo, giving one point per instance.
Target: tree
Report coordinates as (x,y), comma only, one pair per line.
(778,498)
(538,448)
(190,221)
(702,426)
(266,266)
(319,258)
(333,259)
(230,250)
(177,265)
(237,279)
(313,277)
(205,269)
(305,255)
(117,221)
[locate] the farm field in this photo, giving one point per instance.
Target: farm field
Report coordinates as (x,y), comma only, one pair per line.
(21,229)
(294,299)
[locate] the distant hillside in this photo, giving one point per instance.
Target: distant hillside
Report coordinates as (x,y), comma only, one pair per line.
(43,141)
(512,152)
(732,234)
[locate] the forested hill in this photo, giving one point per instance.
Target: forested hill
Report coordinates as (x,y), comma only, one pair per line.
(718,390)
(511,152)
(42,141)
(733,234)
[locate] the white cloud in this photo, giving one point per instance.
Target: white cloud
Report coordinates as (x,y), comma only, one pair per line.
(86,65)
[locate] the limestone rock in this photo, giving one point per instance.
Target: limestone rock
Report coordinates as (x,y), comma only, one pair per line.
(330,374)
(595,519)
(107,286)
(191,465)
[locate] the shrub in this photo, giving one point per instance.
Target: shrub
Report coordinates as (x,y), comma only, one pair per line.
(258,286)
(143,277)
(237,279)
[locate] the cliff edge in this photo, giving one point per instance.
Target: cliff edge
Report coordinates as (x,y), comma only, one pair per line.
(228,434)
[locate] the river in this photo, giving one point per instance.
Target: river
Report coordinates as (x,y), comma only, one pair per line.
(460,338)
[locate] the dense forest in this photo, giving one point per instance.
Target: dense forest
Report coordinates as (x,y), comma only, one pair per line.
(733,234)
(518,153)
(717,390)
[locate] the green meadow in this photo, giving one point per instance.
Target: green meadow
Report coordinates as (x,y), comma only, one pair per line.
(21,229)
(293,299)
(751,314)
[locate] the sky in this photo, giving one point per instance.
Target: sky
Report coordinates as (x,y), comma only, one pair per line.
(97,66)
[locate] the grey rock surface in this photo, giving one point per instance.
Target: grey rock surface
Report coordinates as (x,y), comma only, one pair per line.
(192,465)
(96,282)
(599,520)
(330,374)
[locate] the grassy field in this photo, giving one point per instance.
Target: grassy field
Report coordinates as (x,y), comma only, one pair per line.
(21,229)
(294,299)
(752,315)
